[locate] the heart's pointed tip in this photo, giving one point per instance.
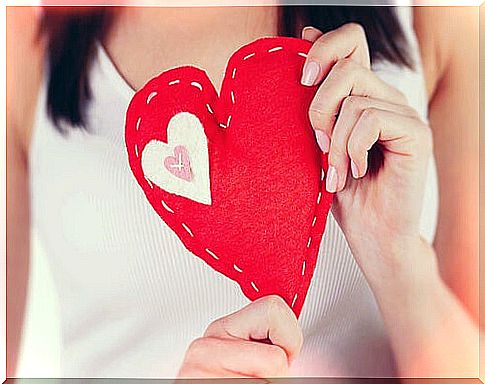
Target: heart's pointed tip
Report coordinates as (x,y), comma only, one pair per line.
(193,107)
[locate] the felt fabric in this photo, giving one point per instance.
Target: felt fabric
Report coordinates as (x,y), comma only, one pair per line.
(251,202)
(185,158)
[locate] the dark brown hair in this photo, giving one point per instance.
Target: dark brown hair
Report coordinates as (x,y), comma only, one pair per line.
(71,38)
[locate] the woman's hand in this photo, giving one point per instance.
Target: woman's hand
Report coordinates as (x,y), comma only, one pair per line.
(378,153)
(259,341)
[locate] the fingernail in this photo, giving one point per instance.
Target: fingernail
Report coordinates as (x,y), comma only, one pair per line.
(310,73)
(304,31)
(331,183)
(323,141)
(355,170)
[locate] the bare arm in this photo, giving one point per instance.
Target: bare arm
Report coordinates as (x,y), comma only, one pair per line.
(23,77)
(422,300)
(449,46)
(430,320)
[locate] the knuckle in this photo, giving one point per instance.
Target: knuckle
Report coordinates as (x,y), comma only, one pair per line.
(371,115)
(277,358)
(356,148)
(352,103)
(337,153)
(197,348)
(321,115)
(356,28)
(335,160)
(215,326)
(274,362)
(276,307)
(275,303)
(317,118)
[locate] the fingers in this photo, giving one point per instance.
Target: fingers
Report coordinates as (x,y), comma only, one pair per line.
(347,78)
(362,123)
(266,318)
(229,349)
(350,112)
(404,135)
(209,356)
(348,41)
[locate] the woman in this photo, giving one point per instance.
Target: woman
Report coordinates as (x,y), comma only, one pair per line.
(134,302)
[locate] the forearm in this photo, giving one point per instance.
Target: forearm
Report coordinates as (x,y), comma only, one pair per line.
(431,333)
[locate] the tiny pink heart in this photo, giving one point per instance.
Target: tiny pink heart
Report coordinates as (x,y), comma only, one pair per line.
(179,164)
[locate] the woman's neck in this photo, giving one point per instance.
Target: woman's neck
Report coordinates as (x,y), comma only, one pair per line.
(145,41)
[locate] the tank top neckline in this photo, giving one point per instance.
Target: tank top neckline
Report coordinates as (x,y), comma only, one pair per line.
(116,78)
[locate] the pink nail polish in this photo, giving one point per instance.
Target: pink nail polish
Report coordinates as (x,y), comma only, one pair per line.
(310,73)
(323,141)
(355,170)
(305,30)
(332,180)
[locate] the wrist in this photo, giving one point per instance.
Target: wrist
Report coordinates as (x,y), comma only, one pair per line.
(405,268)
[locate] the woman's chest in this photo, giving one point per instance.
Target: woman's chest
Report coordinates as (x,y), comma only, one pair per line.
(115,260)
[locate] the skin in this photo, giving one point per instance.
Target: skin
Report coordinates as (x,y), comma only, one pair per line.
(427,294)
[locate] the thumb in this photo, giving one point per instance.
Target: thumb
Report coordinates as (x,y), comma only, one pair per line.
(268,318)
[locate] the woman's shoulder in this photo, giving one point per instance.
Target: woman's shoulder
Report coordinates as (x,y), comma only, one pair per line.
(444,38)
(25,53)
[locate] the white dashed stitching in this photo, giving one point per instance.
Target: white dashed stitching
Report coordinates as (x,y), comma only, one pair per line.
(188,229)
(164,205)
(254,286)
(275,49)
(196,85)
(151,96)
(168,209)
(149,182)
(212,253)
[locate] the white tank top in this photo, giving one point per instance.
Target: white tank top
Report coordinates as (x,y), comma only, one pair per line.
(132,298)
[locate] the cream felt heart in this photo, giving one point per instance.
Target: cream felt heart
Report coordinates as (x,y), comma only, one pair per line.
(184,130)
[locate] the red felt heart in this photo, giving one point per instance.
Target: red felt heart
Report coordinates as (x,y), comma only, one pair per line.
(254,208)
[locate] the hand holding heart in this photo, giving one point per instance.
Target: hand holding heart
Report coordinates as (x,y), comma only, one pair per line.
(378,151)
(230,346)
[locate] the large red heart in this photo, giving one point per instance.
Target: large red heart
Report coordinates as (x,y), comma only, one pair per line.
(251,203)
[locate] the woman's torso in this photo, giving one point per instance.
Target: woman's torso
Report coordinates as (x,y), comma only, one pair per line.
(132,297)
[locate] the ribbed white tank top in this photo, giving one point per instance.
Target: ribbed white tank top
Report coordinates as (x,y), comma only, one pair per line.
(132,298)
